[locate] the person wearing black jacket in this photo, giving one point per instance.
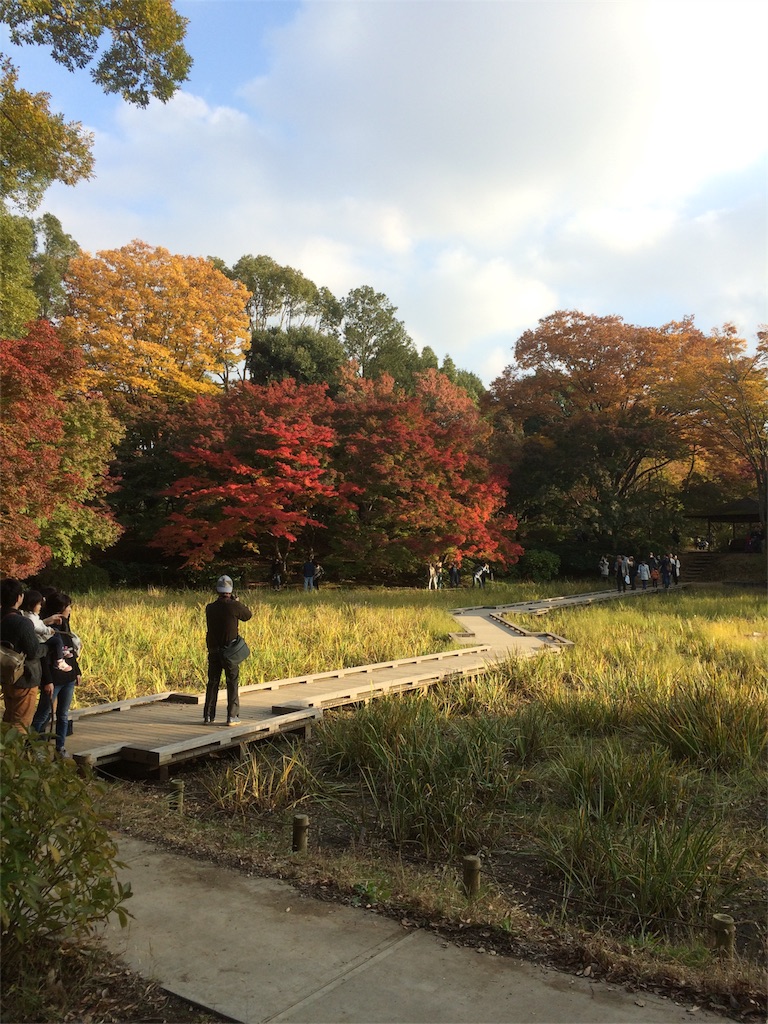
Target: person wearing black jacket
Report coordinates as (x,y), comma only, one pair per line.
(19,633)
(222,617)
(64,681)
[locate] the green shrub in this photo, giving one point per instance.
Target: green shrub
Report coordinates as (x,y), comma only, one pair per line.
(539,566)
(58,859)
(74,579)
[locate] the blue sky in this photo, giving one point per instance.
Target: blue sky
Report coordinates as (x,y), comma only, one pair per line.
(482,162)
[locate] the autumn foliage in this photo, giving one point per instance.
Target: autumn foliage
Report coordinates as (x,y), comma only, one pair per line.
(415,475)
(150,322)
(599,431)
(255,462)
(380,479)
(55,445)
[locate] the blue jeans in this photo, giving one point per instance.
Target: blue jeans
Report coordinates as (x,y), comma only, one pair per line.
(62,698)
(309,582)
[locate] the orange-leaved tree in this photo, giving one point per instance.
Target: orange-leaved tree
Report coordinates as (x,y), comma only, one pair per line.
(732,407)
(590,416)
(151,322)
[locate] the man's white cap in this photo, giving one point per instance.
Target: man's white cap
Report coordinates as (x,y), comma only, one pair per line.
(224,585)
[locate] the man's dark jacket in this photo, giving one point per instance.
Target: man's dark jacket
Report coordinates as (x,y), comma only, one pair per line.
(16,629)
(222,618)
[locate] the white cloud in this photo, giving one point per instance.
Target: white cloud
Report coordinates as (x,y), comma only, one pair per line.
(482,163)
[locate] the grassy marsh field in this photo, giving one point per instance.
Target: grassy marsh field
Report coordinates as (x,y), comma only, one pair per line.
(148,641)
(616,791)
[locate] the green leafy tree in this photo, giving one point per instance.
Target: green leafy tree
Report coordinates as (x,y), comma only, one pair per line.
(53,249)
(34,256)
(60,863)
(39,147)
(428,360)
(18,301)
(280,296)
(143,57)
(303,353)
(375,339)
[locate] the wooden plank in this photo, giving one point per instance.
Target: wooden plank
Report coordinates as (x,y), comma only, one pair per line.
(343,673)
(119,705)
(330,699)
(169,753)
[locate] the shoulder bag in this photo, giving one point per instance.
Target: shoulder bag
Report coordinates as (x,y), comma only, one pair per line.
(236,651)
(11,665)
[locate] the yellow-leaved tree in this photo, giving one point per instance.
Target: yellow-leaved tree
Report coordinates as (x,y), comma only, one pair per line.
(153,323)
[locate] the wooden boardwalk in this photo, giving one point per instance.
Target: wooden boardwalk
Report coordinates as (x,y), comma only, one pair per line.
(164,729)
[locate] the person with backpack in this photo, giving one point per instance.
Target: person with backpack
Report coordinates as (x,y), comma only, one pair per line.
(17,633)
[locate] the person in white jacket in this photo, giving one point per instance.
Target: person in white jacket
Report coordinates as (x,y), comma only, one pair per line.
(643,573)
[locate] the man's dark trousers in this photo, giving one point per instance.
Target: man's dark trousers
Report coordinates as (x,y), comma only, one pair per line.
(216,665)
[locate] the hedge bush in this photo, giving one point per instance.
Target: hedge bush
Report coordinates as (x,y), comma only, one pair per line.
(59,866)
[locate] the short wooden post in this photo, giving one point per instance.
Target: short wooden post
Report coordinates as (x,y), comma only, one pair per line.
(176,800)
(724,928)
(471,867)
(85,765)
(300,829)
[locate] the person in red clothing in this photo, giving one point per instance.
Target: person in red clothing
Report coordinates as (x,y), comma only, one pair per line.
(222,618)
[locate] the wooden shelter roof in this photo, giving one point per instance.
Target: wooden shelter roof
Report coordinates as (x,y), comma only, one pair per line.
(745,510)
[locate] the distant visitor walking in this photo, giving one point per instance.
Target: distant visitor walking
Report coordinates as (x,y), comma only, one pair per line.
(226,650)
(481,575)
(309,574)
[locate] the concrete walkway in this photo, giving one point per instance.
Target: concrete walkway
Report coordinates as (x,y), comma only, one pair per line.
(256,950)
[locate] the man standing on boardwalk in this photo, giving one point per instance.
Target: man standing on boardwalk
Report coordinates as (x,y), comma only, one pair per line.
(222,617)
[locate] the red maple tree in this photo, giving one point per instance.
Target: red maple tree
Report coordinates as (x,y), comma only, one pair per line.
(256,463)
(53,476)
(416,477)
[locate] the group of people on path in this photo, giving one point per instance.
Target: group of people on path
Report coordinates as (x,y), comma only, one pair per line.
(312,571)
(436,575)
(629,571)
(36,623)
